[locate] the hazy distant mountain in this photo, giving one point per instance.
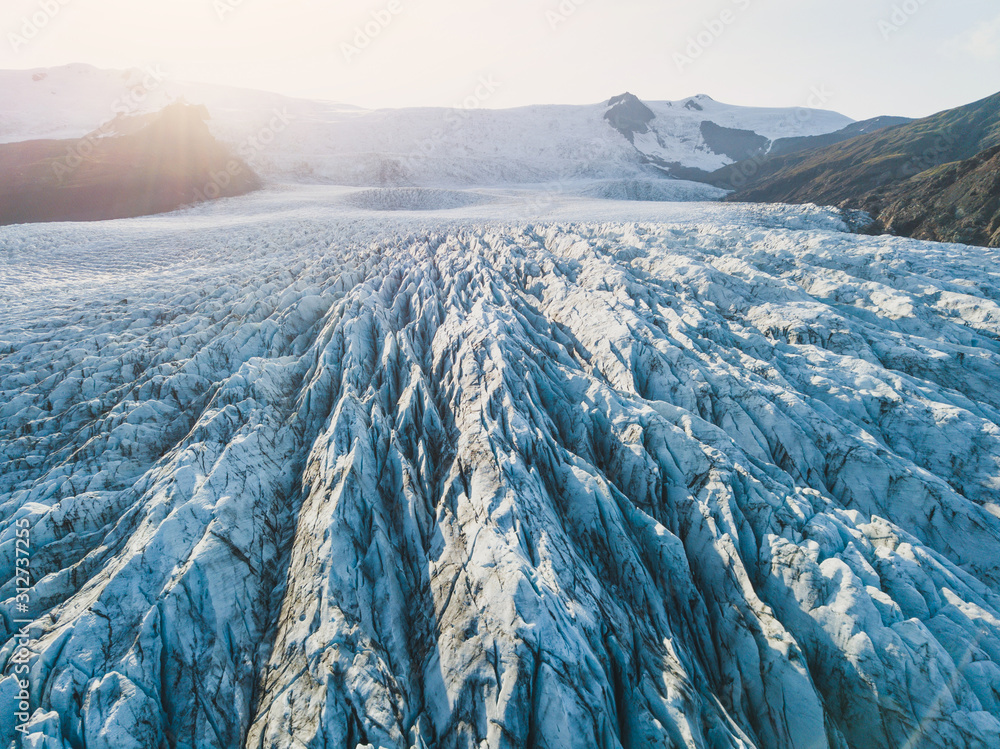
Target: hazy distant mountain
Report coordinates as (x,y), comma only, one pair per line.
(162,161)
(621,147)
(298,140)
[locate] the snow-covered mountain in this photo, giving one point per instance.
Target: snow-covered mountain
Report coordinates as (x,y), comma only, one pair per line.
(294,139)
(302,473)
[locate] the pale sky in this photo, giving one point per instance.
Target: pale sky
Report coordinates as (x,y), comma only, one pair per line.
(868,57)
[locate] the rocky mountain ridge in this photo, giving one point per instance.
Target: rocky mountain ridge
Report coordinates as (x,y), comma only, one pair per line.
(933,178)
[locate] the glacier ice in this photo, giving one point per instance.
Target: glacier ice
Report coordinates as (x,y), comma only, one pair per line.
(305,478)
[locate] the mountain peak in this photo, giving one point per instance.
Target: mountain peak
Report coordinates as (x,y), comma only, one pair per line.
(626,98)
(628,115)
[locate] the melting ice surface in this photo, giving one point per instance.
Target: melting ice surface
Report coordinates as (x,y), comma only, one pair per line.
(534,471)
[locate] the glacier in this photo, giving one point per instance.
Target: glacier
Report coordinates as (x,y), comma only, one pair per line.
(301,471)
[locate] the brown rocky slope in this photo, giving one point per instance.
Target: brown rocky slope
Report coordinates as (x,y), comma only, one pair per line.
(170,161)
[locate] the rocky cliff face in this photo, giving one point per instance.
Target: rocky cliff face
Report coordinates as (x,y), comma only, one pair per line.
(622,486)
(957,202)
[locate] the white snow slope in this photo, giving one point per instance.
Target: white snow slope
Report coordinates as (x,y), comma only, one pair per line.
(313,141)
(300,474)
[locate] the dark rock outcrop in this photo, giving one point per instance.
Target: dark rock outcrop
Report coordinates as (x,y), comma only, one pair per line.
(161,162)
(732,142)
(628,115)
